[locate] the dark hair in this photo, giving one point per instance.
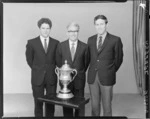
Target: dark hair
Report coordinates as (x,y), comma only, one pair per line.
(44,20)
(100,17)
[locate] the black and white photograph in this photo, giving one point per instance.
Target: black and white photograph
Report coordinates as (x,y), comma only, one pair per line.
(75,59)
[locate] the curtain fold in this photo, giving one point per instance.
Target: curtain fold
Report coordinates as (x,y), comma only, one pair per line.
(139,43)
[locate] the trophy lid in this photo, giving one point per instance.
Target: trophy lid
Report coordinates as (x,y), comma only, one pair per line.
(65,67)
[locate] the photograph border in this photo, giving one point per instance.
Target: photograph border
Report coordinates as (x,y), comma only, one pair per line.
(147,92)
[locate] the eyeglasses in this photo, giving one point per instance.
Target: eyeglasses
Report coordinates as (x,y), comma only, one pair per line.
(73,31)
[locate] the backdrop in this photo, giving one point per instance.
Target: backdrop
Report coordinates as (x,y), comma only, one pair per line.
(20,24)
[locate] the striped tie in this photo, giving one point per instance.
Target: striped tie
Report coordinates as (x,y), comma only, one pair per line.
(99,43)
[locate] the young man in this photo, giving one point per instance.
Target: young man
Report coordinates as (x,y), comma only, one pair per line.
(40,56)
(106,56)
(77,59)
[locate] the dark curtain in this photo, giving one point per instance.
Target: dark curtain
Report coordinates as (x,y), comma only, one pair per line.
(139,36)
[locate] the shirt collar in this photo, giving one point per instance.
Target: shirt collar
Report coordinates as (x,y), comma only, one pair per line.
(42,38)
(103,36)
(75,43)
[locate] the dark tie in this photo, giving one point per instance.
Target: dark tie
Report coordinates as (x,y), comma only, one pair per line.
(99,43)
(72,51)
(45,45)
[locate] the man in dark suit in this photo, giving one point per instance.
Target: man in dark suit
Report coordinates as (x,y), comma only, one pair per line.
(40,56)
(106,56)
(78,60)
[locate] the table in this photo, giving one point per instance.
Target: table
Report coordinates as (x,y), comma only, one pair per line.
(75,102)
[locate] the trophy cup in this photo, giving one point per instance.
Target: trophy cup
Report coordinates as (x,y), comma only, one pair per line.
(64,76)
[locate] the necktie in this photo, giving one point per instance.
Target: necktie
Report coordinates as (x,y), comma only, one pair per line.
(72,51)
(45,45)
(99,43)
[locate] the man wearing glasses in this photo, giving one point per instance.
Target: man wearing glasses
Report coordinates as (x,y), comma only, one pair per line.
(77,55)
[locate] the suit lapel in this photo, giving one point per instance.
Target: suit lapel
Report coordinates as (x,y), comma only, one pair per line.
(49,45)
(68,50)
(77,49)
(76,52)
(39,43)
(105,43)
(95,43)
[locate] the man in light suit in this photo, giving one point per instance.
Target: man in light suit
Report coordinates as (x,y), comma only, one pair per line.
(79,61)
(106,56)
(40,56)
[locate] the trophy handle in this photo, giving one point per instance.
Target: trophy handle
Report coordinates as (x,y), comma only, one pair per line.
(74,70)
(57,71)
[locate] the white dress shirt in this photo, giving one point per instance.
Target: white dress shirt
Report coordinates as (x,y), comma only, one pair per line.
(75,44)
(103,38)
(43,40)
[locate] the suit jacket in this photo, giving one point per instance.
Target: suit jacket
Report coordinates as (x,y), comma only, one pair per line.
(42,64)
(107,61)
(80,62)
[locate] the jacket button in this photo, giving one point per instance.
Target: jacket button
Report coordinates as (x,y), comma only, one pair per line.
(97,60)
(95,69)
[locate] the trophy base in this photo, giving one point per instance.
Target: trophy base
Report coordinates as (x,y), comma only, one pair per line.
(65,95)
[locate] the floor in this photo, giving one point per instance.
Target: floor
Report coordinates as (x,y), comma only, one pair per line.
(129,105)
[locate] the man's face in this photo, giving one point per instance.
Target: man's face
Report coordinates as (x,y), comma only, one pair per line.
(73,33)
(100,26)
(45,30)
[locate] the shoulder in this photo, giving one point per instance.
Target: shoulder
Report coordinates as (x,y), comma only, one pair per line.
(33,39)
(114,37)
(54,40)
(64,42)
(82,43)
(93,36)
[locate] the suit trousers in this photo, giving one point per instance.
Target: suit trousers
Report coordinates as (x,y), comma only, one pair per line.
(40,91)
(68,112)
(100,93)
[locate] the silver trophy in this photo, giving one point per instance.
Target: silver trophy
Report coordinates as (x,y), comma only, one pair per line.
(64,76)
